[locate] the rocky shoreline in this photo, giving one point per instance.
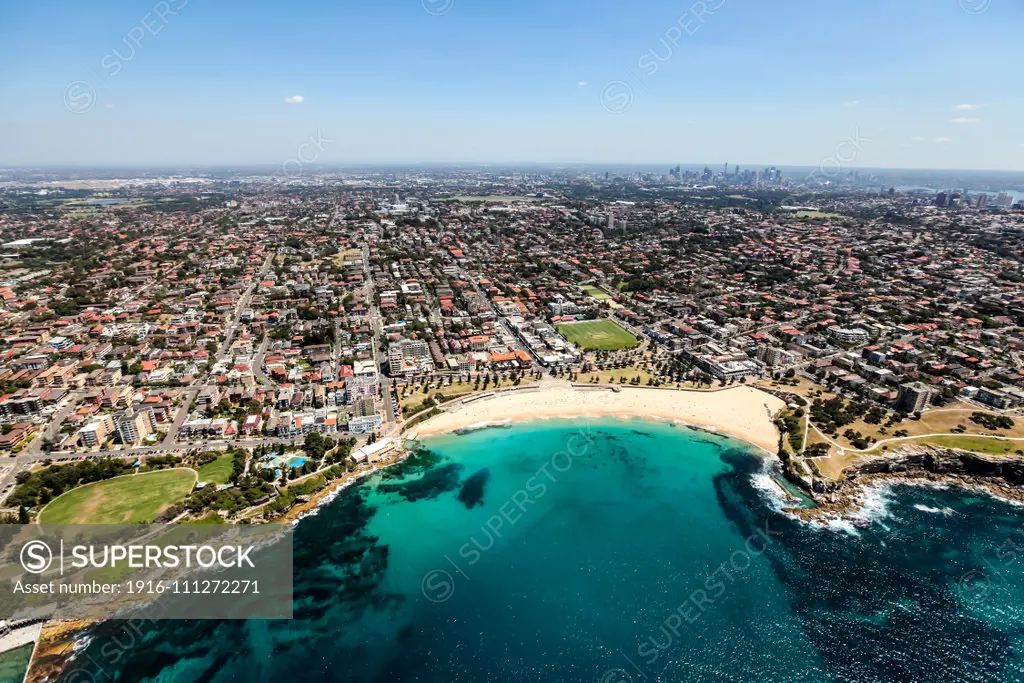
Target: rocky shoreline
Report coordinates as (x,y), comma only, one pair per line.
(60,639)
(1001,476)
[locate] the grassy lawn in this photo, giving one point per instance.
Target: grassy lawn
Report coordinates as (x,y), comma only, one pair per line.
(936,421)
(817,214)
(797,385)
(629,373)
(130,499)
(944,419)
(598,335)
(598,294)
(212,518)
(217,471)
(454,391)
(967,443)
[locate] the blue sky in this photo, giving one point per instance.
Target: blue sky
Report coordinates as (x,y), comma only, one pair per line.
(746,81)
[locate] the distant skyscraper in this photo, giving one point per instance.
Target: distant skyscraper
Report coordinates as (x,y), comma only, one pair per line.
(940,199)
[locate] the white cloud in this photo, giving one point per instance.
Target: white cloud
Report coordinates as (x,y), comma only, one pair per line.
(965,119)
(582,84)
(294,99)
(851,103)
(968,107)
(942,139)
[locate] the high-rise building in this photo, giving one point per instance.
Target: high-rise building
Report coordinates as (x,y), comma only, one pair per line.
(133,427)
(772,356)
(1004,200)
(364,407)
(914,397)
(940,199)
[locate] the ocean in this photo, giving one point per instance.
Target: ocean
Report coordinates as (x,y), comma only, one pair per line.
(612,552)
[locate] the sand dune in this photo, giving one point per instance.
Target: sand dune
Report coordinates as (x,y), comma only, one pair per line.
(740,411)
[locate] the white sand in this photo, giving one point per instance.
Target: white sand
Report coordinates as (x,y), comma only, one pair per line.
(740,411)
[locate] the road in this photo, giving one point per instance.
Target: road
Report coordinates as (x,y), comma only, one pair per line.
(536,362)
(52,429)
(243,302)
(182,414)
(376,331)
(146,451)
(258,362)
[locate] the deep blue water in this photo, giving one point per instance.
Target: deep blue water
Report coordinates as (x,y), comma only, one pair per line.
(615,552)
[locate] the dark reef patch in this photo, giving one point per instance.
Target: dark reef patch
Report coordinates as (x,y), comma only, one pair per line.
(433,483)
(472,492)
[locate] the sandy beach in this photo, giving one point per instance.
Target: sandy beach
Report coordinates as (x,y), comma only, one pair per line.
(739,411)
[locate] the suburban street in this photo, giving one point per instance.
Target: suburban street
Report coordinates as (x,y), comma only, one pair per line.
(243,302)
(376,330)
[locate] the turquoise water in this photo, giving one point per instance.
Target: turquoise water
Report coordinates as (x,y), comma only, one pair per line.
(616,552)
(13,663)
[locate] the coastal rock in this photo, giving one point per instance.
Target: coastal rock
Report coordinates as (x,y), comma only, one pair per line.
(1001,476)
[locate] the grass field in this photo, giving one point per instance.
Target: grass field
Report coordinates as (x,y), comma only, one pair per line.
(967,443)
(129,499)
(454,391)
(629,373)
(598,335)
(211,518)
(936,421)
(598,294)
(218,471)
(817,214)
